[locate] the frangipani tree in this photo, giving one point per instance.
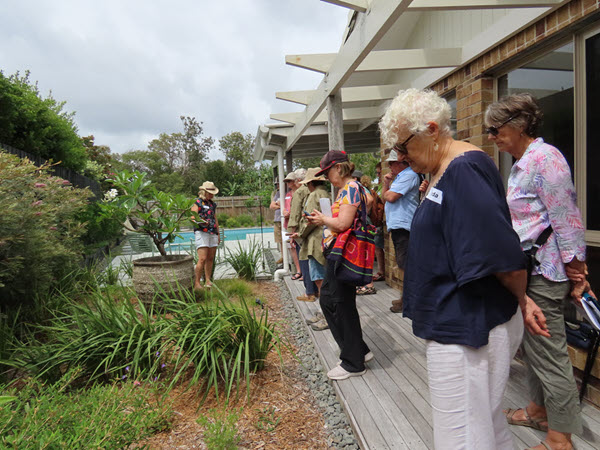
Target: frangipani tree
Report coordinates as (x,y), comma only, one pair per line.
(149,211)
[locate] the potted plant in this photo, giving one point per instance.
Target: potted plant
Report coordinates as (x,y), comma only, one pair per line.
(159,215)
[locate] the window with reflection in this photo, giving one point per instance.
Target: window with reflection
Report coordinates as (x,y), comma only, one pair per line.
(592,100)
(550,80)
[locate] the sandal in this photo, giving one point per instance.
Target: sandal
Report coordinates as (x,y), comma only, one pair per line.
(366,290)
(528,422)
(379,277)
(296,276)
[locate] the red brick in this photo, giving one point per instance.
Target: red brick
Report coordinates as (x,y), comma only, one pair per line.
(540,28)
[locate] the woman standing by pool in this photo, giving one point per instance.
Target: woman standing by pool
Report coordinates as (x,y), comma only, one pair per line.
(206,232)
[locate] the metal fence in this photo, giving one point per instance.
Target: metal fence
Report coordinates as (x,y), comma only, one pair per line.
(74,178)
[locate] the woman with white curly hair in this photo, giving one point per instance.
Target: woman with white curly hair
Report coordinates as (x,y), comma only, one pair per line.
(465,274)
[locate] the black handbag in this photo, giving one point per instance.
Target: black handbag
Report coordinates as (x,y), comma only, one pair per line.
(532,262)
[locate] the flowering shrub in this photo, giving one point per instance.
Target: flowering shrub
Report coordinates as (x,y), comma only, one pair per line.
(39,230)
(149,211)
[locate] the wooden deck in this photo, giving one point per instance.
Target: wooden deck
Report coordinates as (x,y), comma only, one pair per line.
(389,407)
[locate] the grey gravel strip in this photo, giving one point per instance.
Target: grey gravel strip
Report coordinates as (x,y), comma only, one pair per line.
(314,374)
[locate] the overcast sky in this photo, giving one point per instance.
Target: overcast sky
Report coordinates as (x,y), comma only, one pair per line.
(130,68)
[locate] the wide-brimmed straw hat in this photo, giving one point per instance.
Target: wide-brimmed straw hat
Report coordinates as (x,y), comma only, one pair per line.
(393,156)
(290,177)
(209,187)
(311,175)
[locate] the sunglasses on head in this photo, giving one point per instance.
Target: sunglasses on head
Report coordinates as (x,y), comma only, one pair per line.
(495,130)
(401,148)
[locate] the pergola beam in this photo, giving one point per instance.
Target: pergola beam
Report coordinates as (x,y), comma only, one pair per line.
(356,5)
(368,30)
(349,114)
(349,94)
(414,58)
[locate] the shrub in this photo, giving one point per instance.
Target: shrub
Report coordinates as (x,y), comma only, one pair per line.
(222,218)
(245,260)
(232,222)
(112,416)
(39,229)
(245,220)
(100,230)
(221,341)
(104,336)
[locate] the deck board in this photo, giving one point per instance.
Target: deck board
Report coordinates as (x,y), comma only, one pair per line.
(389,407)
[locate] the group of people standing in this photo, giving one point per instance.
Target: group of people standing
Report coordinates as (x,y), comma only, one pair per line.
(460,237)
(466,285)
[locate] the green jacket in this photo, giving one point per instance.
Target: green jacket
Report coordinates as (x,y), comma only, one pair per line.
(312,234)
(298,201)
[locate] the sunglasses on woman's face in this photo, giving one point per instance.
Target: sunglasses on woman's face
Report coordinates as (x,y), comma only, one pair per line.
(495,130)
(401,148)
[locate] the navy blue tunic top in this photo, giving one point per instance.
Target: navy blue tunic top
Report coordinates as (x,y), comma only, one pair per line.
(460,236)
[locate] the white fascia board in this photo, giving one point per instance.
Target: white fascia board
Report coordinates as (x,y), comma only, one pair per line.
(368,31)
(349,94)
(414,58)
(356,5)
(457,5)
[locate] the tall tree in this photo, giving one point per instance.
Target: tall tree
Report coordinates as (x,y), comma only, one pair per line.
(38,125)
(239,152)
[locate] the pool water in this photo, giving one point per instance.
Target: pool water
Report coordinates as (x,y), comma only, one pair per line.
(236,234)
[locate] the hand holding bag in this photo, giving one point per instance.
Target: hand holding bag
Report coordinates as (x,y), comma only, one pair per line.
(353,252)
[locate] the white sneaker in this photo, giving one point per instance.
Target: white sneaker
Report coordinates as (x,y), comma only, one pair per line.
(339,373)
(368,357)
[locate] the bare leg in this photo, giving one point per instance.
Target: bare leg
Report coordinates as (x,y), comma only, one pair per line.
(380,260)
(318,283)
(296,260)
(208,267)
(199,269)
(555,439)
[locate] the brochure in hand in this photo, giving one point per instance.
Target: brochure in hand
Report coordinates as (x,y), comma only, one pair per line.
(590,310)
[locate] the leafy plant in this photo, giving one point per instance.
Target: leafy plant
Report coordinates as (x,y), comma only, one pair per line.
(224,343)
(267,420)
(148,210)
(220,432)
(103,335)
(245,220)
(49,416)
(39,228)
(222,217)
(232,222)
(245,260)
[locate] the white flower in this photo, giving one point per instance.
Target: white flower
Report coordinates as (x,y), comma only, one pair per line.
(111,195)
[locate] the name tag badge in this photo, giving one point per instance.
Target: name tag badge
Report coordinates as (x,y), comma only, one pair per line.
(204,207)
(435,195)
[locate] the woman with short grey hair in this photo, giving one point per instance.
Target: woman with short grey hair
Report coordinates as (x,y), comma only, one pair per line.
(542,198)
(465,274)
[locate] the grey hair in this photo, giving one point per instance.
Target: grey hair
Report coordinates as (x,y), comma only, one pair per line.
(414,109)
(300,174)
(522,108)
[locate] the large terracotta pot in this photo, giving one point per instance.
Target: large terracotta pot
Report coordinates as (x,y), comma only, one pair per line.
(173,273)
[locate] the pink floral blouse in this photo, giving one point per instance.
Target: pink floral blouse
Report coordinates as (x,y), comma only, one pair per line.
(540,192)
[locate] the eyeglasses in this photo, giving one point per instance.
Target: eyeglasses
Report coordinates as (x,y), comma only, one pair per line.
(401,148)
(495,130)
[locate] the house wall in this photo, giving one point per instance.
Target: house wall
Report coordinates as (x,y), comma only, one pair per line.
(474,87)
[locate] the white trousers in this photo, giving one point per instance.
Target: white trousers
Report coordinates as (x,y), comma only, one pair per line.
(467,385)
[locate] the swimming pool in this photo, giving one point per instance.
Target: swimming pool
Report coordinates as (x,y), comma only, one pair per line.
(235,234)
